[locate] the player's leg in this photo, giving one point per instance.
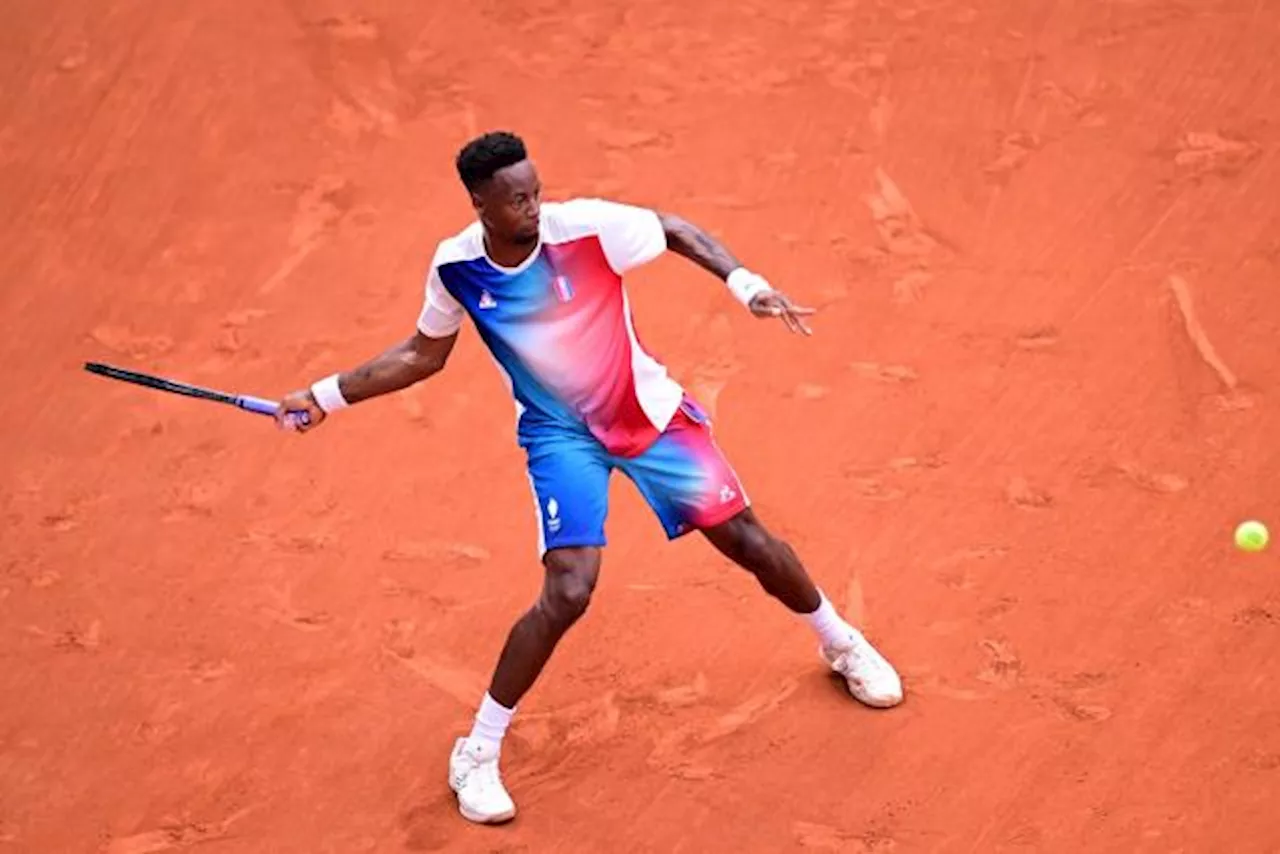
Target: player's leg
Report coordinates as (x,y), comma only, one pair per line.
(745,541)
(691,486)
(570,482)
(569,579)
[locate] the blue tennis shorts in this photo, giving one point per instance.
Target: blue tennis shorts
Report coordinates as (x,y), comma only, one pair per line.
(683,475)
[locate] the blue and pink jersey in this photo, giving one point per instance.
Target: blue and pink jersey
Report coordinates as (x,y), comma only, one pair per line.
(559,326)
(589,398)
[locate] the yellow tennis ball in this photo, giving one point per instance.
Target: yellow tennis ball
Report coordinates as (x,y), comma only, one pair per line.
(1252,536)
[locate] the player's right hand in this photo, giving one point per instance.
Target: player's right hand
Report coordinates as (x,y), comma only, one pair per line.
(296,404)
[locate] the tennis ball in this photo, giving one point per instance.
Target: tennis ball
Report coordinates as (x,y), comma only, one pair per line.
(1252,536)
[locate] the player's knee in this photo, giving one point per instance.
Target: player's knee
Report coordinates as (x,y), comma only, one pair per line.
(571,578)
(565,600)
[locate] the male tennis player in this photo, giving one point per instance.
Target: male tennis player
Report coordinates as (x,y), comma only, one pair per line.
(542,284)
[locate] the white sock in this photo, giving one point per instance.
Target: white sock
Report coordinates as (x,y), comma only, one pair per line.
(491,722)
(830,627)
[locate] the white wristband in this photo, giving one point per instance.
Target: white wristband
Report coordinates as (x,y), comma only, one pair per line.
(746,285)
(327,394)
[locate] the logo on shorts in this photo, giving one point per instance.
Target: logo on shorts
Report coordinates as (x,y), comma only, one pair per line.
(553,515)
(727,494)
(487,300)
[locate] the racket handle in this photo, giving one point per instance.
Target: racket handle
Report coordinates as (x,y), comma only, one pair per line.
(268,407)
(257,404)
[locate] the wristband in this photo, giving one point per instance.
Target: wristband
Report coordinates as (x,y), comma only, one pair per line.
(327,394)
(746,285)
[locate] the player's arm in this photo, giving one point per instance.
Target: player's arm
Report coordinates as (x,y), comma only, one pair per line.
(694,243)
(689,241)
(411,361)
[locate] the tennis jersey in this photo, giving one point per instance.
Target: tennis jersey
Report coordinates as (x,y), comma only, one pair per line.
(559,325)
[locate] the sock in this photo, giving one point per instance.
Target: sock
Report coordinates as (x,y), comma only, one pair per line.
(830,627)
(492,720)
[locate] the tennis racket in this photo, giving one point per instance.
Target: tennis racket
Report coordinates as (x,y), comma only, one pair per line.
(246,402)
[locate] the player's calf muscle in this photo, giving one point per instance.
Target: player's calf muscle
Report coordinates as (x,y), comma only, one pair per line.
(772,561)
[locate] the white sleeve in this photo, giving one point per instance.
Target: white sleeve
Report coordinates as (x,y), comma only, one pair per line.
(630,236)
(441,314)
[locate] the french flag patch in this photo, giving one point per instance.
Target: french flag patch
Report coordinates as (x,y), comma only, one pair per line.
(564,290)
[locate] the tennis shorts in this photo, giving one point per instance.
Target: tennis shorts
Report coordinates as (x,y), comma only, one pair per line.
(683,475)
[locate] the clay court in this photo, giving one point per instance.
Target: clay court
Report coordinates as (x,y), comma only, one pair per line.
(1044,240)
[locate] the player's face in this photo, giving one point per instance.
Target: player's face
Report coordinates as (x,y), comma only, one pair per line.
(509,204)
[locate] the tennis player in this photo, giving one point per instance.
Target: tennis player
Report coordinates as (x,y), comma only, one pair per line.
(542,283)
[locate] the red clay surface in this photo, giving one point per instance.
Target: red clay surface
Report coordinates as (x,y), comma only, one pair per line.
(1045,239)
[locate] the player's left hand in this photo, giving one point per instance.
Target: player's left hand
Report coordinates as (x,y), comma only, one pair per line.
(774,303)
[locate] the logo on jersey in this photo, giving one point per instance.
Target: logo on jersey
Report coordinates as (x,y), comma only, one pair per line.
(727,494)
(487,300)
(563,288)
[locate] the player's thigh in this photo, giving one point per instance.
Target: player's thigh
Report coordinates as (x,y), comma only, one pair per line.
(570,482)
(686,478)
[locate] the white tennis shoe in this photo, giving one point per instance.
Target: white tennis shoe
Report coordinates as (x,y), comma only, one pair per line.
(474,776)
(871,679)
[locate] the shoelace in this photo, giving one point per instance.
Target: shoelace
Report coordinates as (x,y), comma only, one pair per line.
(858,657)
(485,773)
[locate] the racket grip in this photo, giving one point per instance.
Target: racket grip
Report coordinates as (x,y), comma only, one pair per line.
(257,404)
(268,407)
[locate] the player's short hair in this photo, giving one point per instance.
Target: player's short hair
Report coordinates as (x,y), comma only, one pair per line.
(480,158)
